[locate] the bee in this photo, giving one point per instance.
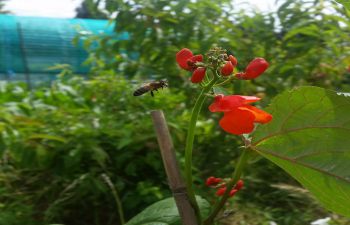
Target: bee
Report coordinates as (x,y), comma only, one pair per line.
(152,86)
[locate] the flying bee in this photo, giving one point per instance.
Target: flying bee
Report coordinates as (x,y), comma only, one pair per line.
(152,86)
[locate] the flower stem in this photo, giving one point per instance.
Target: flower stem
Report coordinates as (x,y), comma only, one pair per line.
(189,145)
(235,177)
(228,80)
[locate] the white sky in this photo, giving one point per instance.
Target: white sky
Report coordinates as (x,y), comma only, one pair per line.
(66,8)
(43,8)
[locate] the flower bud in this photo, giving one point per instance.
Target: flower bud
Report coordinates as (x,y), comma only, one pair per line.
(233,60)
(239,185)
(221,191)
(211,181)
(198,75)
(233,192)
(254,69)
(227,69)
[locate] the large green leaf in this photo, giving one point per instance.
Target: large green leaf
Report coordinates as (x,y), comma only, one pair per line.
(165,212)
(309,137)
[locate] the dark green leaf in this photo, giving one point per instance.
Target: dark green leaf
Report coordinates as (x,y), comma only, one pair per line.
(165,212)
(309,137)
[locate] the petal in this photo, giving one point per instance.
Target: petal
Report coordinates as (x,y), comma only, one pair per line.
(260,115)
(238,121)
(227,103)
(250,99)
(196,58)
(182,56)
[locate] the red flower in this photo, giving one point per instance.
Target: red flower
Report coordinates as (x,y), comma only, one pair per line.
(211,181)
(187,60)
(227,69)
(198,75)
(254,69)
(239,117)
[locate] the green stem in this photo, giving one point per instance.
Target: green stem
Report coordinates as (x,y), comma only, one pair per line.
(235,177)
(189,145)
(116,198)
(228,80)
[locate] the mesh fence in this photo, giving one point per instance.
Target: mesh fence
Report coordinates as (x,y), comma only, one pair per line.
(30,45)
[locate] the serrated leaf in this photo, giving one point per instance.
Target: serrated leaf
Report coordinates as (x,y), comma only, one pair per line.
(309,137)
(165,212)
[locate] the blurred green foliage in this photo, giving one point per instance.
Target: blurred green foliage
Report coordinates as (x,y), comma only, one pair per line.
(60,144)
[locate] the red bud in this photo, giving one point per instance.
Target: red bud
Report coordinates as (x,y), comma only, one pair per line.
(239,185)
(233,60)
(227,69)
(255,68)
(198,75)
(221,191)
(211,181)
(233,192)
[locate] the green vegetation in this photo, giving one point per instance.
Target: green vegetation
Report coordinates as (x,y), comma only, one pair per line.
(70,151)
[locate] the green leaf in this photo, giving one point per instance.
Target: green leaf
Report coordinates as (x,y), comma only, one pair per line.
(309,137)
(165,212)
(345,3)
(309,30)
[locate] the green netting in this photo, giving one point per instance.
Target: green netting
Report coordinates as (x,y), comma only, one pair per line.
(29,45)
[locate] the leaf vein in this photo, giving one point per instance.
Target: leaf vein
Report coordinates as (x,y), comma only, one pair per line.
(296,129)
(302,164)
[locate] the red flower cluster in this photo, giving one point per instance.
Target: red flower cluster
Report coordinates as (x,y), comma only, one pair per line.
(254,69)
(239,116)
(214,182)
(187,61)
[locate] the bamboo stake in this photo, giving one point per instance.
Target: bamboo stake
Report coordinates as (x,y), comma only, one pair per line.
(176,183)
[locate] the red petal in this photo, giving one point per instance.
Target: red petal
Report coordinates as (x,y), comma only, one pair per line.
(227,103)
(238,121)
(198,75)
(260,115)
(196,58)
(182,56)
(250,99)
(255,68)
(227,69)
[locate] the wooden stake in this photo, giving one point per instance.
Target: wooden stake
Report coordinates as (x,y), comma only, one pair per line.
(176,183)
